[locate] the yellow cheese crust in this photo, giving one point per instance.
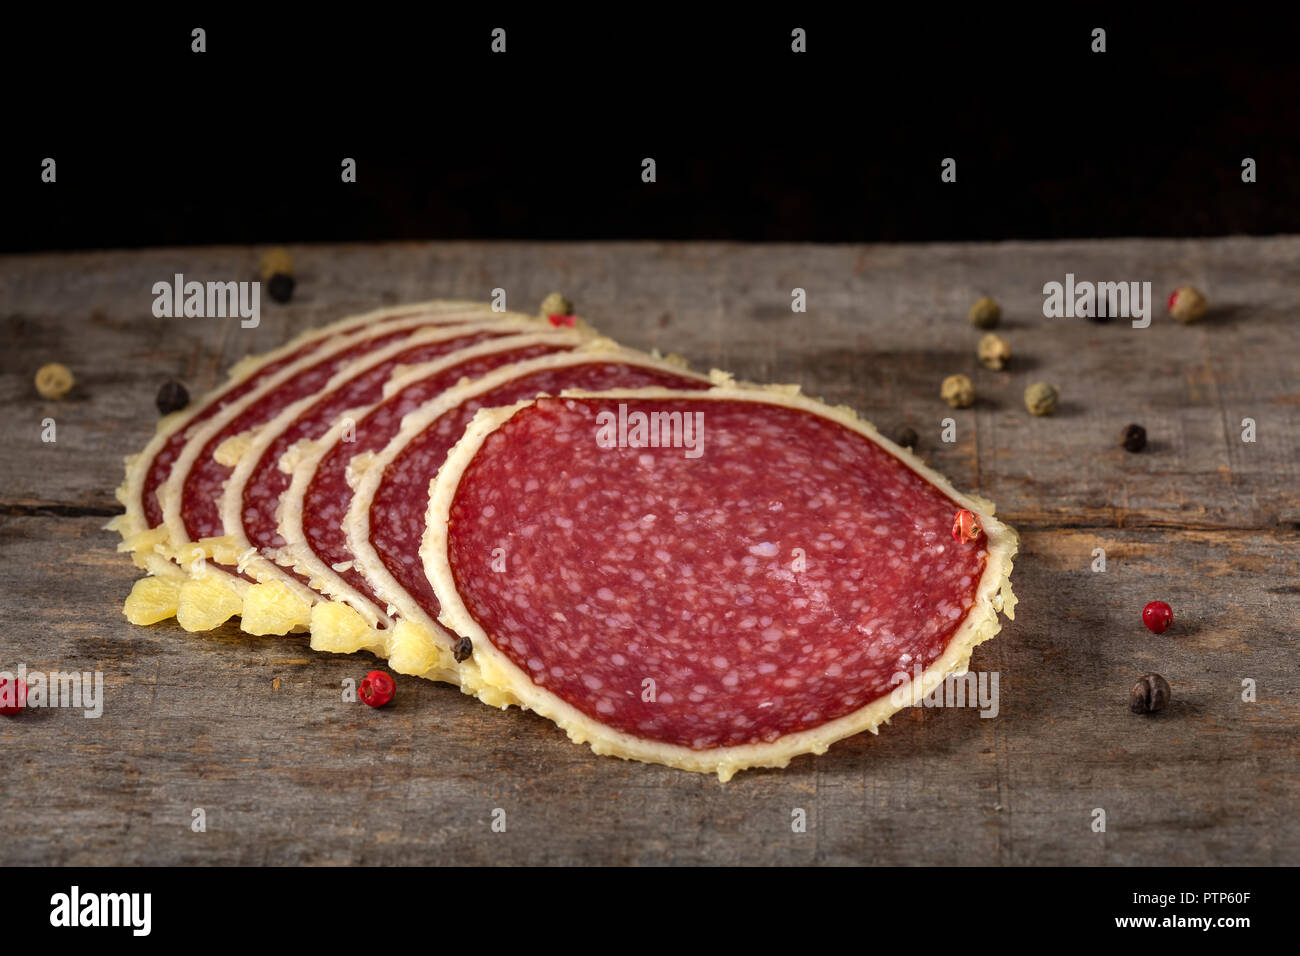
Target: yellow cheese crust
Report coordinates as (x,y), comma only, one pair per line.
(993,595)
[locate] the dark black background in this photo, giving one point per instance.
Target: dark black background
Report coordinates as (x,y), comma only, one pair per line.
(156,145)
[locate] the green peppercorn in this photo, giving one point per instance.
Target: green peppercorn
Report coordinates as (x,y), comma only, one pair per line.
(556,304)
(993,351)
(1188,304)
(957,391)
(1040,398)
(985,313)
(54,380)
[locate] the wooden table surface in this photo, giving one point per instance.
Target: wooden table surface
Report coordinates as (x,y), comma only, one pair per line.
(255,732)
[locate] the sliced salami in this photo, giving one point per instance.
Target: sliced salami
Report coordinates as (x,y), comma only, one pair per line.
(709,580)
(385,517)
(140,526)
(192,532)
(252,501)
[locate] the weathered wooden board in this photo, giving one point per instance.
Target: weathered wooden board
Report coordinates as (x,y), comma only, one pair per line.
(256,733)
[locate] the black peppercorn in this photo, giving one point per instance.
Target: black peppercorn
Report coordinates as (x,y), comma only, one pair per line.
(1149,695)
(280,287)
(1135,438)
(906,437)
(172,397)
(462,649)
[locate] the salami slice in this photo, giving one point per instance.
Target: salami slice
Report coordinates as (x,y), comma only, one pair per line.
(385,518)
(140,526)
(191,532)
(774,576)
(251,504)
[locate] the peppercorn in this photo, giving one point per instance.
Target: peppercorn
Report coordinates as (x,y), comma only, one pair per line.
(54,380)
(1157,616)
(957,391)
(993,351)
(275,262)
(1150,694)
(906,437)
(376,688)
(1134,438)
(172,397)
(556,304)
(1040,398)
(1187,304)
(280,287)
(462,649)
(985,313)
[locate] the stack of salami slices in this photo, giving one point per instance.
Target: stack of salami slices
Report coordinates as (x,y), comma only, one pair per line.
(672,567)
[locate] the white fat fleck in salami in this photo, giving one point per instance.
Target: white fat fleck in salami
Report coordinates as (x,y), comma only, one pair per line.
(325,491)
(191,494)
(715,611)
(254,500)
(396,505)
(260,492)
(389,484)
(205,481)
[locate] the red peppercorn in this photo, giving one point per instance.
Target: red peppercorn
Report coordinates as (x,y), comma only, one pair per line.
(1157,616)
(566,320)
(965,527)
(377,689)
(13,696)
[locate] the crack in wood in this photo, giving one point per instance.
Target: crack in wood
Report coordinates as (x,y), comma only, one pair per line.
(1281,526)
(54,510)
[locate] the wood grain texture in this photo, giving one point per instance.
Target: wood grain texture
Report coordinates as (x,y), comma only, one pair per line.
(254,730)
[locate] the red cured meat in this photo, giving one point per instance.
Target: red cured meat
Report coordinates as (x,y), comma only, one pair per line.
(203,485)
(633,563)
(161,467)
(267,483)
(397,510)
(327,496)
